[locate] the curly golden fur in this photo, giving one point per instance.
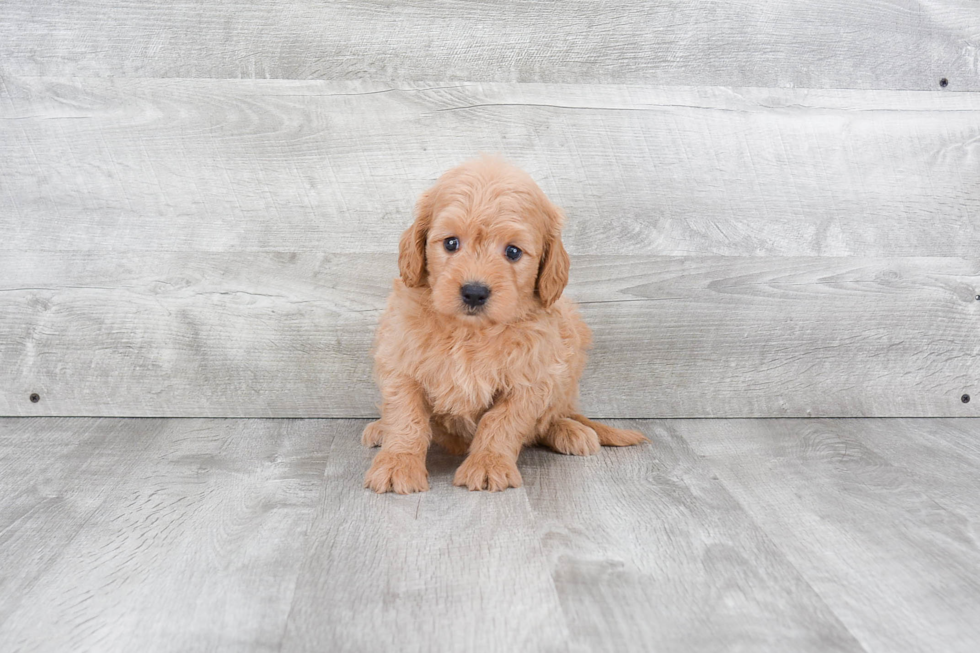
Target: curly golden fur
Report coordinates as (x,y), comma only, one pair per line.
(481,374)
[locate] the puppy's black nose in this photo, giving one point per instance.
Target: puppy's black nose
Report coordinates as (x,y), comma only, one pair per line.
(474,294)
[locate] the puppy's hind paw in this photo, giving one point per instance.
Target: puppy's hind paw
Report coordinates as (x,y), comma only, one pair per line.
(487,471)
(572,438)
(612,437)
(372,436)
(402,473)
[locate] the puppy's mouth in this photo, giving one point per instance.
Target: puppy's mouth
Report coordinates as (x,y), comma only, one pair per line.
(474,314)
(474,311)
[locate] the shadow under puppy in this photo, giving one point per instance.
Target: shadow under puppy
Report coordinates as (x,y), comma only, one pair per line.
(477,348)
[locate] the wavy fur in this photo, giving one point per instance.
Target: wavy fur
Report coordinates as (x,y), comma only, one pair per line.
(486,382)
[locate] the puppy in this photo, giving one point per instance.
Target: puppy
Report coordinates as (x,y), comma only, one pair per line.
(477,349)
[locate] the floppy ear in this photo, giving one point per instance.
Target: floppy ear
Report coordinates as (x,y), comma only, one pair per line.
(553,272)
(411,248)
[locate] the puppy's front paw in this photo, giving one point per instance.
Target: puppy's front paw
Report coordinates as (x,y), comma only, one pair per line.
(372,436)
(487,471)
(402,473)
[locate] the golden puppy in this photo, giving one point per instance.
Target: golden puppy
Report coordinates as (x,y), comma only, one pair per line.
(477,349)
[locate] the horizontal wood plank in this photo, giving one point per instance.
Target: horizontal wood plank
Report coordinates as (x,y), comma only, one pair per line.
(901,44)
(289,334)
(124,165)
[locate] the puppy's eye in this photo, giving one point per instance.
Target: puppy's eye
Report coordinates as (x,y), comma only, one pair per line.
(451,244)
(513,253)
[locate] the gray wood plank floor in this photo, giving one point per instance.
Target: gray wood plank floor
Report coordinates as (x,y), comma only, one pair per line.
(255,535)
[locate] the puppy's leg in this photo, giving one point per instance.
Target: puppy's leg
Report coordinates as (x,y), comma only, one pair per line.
(610,437)
(502,432)
(400,465)
(570,437)
(372,436)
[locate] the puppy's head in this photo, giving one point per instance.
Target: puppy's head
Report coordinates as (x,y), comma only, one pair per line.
(487,242)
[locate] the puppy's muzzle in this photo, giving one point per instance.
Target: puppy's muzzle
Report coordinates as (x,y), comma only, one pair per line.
(474,295)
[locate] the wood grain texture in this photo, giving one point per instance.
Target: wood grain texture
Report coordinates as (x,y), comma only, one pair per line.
(905,44)
(719,535)
(54,475)
(136,164)
(649,552)
(892,557)
(448,569)
(944,456)
(289,334)
(197,547)
(177,334)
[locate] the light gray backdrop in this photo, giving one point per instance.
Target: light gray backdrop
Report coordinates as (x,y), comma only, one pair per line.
(200,205)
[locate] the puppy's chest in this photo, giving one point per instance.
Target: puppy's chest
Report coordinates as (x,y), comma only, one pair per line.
(464,379)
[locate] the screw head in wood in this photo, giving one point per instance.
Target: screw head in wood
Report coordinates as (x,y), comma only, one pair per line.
(944,82)
(965,399)
(35,397)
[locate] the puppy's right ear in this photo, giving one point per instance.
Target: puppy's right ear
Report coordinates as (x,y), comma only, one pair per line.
(411,249)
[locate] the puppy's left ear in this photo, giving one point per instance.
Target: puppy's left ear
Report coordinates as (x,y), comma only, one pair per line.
(411,248)
(553,271)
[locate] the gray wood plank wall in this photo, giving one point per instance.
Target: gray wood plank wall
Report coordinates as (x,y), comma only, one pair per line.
(774,210)
(900,44)
(266,334)
(312,166)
